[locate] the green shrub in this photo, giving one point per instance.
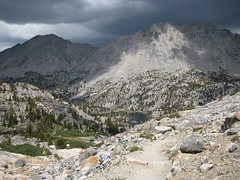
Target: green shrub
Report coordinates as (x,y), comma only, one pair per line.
(190,107)
(135,148)
(173,127)
(60,144)
(173,115)
(79,144)
(235,92)
(56,157)
(147,136)
(161,117)
(25,149)
(74,133)
(172,153)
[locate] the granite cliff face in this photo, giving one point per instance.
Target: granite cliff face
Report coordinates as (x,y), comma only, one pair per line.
(165,47)
(165,68)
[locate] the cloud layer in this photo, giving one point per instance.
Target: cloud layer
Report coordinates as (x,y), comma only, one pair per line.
(99,21)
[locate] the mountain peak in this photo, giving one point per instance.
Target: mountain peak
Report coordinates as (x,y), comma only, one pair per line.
(49,38)
(43,54)
(160,27)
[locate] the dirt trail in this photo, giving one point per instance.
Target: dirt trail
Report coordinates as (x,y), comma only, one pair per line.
(158,162)
(153,153)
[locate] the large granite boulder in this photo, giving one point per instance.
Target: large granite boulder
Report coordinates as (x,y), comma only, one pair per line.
(192,144)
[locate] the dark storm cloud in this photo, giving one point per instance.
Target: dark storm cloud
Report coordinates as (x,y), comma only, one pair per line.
(41,11)
(98,21)
(176,12)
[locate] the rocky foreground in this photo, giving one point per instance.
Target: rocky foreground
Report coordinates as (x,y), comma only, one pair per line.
(202,143)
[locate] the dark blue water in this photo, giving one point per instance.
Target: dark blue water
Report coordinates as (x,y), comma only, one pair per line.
(137,118)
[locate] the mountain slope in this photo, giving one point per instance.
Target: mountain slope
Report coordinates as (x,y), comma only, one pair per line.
(161,92)
(166,47)
(43,54)
(50,61)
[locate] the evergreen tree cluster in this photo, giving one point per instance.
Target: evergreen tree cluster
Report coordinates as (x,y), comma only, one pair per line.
(10,118)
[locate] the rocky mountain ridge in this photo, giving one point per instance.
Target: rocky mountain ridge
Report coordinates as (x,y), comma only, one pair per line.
(199,45)
(161,92)
(43,54)
(165,47)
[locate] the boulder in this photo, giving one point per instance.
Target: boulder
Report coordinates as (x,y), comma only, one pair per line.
(146,127)
(192,144)
(136,161)
(237,155)
(232,132)
(169,176)
(233,148)
(91,151)
(88,152)
(227,124)
(116,151)
(20,163)
(68,153)
(205,167)
(162,129)
(90,162)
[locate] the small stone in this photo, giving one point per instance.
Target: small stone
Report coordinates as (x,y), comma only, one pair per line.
(237,155)
(192,144)
(146,127)
(197,128)
(162,129)
(204,160)
(205,167)
(61,177)
(177,169)
(232,132)
(213,146)
(38,178)
(233,148)
(5,166)
(20,163)
(83,178)
(238,140)
(116,151)
(169,176)
(69,177)
(106,163)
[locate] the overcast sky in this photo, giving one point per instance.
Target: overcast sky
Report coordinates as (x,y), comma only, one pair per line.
(99,21)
